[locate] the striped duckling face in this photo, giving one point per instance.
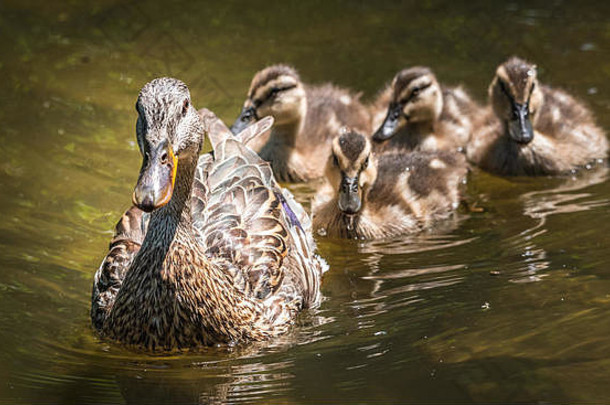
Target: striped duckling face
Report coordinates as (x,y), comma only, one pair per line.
(416,98)
(516,98)
(351,170)
(275,91)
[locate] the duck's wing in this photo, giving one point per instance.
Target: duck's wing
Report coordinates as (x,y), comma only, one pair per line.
(128,236)
(250,225)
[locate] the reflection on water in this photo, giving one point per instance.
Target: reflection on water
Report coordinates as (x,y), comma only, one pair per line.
(563,199)
(508,305)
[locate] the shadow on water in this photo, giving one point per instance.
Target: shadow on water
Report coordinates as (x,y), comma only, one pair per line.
(509,304)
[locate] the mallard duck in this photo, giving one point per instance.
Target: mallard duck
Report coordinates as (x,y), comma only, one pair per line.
(305,119)
(373,196)
(532,129)
(227,255)
(420,114)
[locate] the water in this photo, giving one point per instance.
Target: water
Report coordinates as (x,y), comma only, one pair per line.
(509,304)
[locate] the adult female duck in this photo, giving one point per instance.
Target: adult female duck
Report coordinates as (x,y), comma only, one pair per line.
(227,255)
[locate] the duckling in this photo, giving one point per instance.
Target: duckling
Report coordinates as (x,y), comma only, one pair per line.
(224,255)
(420,114)
(305,118)
(374,196)
(533,129)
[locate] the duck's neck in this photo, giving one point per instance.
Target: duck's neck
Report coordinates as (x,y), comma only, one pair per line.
(178,210)
(285,135)
(281,150)
(167,221)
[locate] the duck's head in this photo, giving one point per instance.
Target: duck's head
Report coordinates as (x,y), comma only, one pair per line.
(416,97)
(516,97)
(275,91)
(351,170)
(169,130)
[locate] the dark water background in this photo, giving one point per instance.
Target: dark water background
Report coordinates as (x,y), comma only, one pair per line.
(418,319)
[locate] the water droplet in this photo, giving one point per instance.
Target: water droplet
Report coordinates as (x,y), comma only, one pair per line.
(321,232)
(486,306)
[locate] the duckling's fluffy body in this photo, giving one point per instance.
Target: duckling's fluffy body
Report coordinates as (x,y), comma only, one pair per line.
(306,119)
(399,193)
(533,129)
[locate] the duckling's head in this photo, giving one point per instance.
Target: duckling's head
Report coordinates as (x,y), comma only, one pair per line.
(351,170)
(416,97)
(169,130)
(516,98)
(275,91)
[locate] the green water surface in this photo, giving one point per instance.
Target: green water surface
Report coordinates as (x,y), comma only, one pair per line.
(511,304)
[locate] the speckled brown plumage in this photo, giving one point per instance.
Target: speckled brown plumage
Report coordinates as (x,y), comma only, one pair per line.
(128,236)
(401,192)
(565,135)
(230,258)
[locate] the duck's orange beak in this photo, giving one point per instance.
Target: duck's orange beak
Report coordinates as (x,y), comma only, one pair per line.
(155,185)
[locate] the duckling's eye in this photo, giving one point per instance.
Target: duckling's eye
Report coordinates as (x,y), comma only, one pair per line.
(335,161)
(415,91)
(274,91)
(185,107)
(365,164)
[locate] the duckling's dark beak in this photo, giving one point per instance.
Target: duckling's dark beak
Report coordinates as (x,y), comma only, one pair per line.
(390,123)
(520,126)
(247,116)
(349,200)
(155,185)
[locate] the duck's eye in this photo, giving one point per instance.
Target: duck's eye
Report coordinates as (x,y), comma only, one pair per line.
(185,107)
(274,91)
(415,91)
(335,161)
(164,158)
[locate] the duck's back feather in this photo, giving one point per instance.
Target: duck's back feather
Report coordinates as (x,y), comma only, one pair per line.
(250,222)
